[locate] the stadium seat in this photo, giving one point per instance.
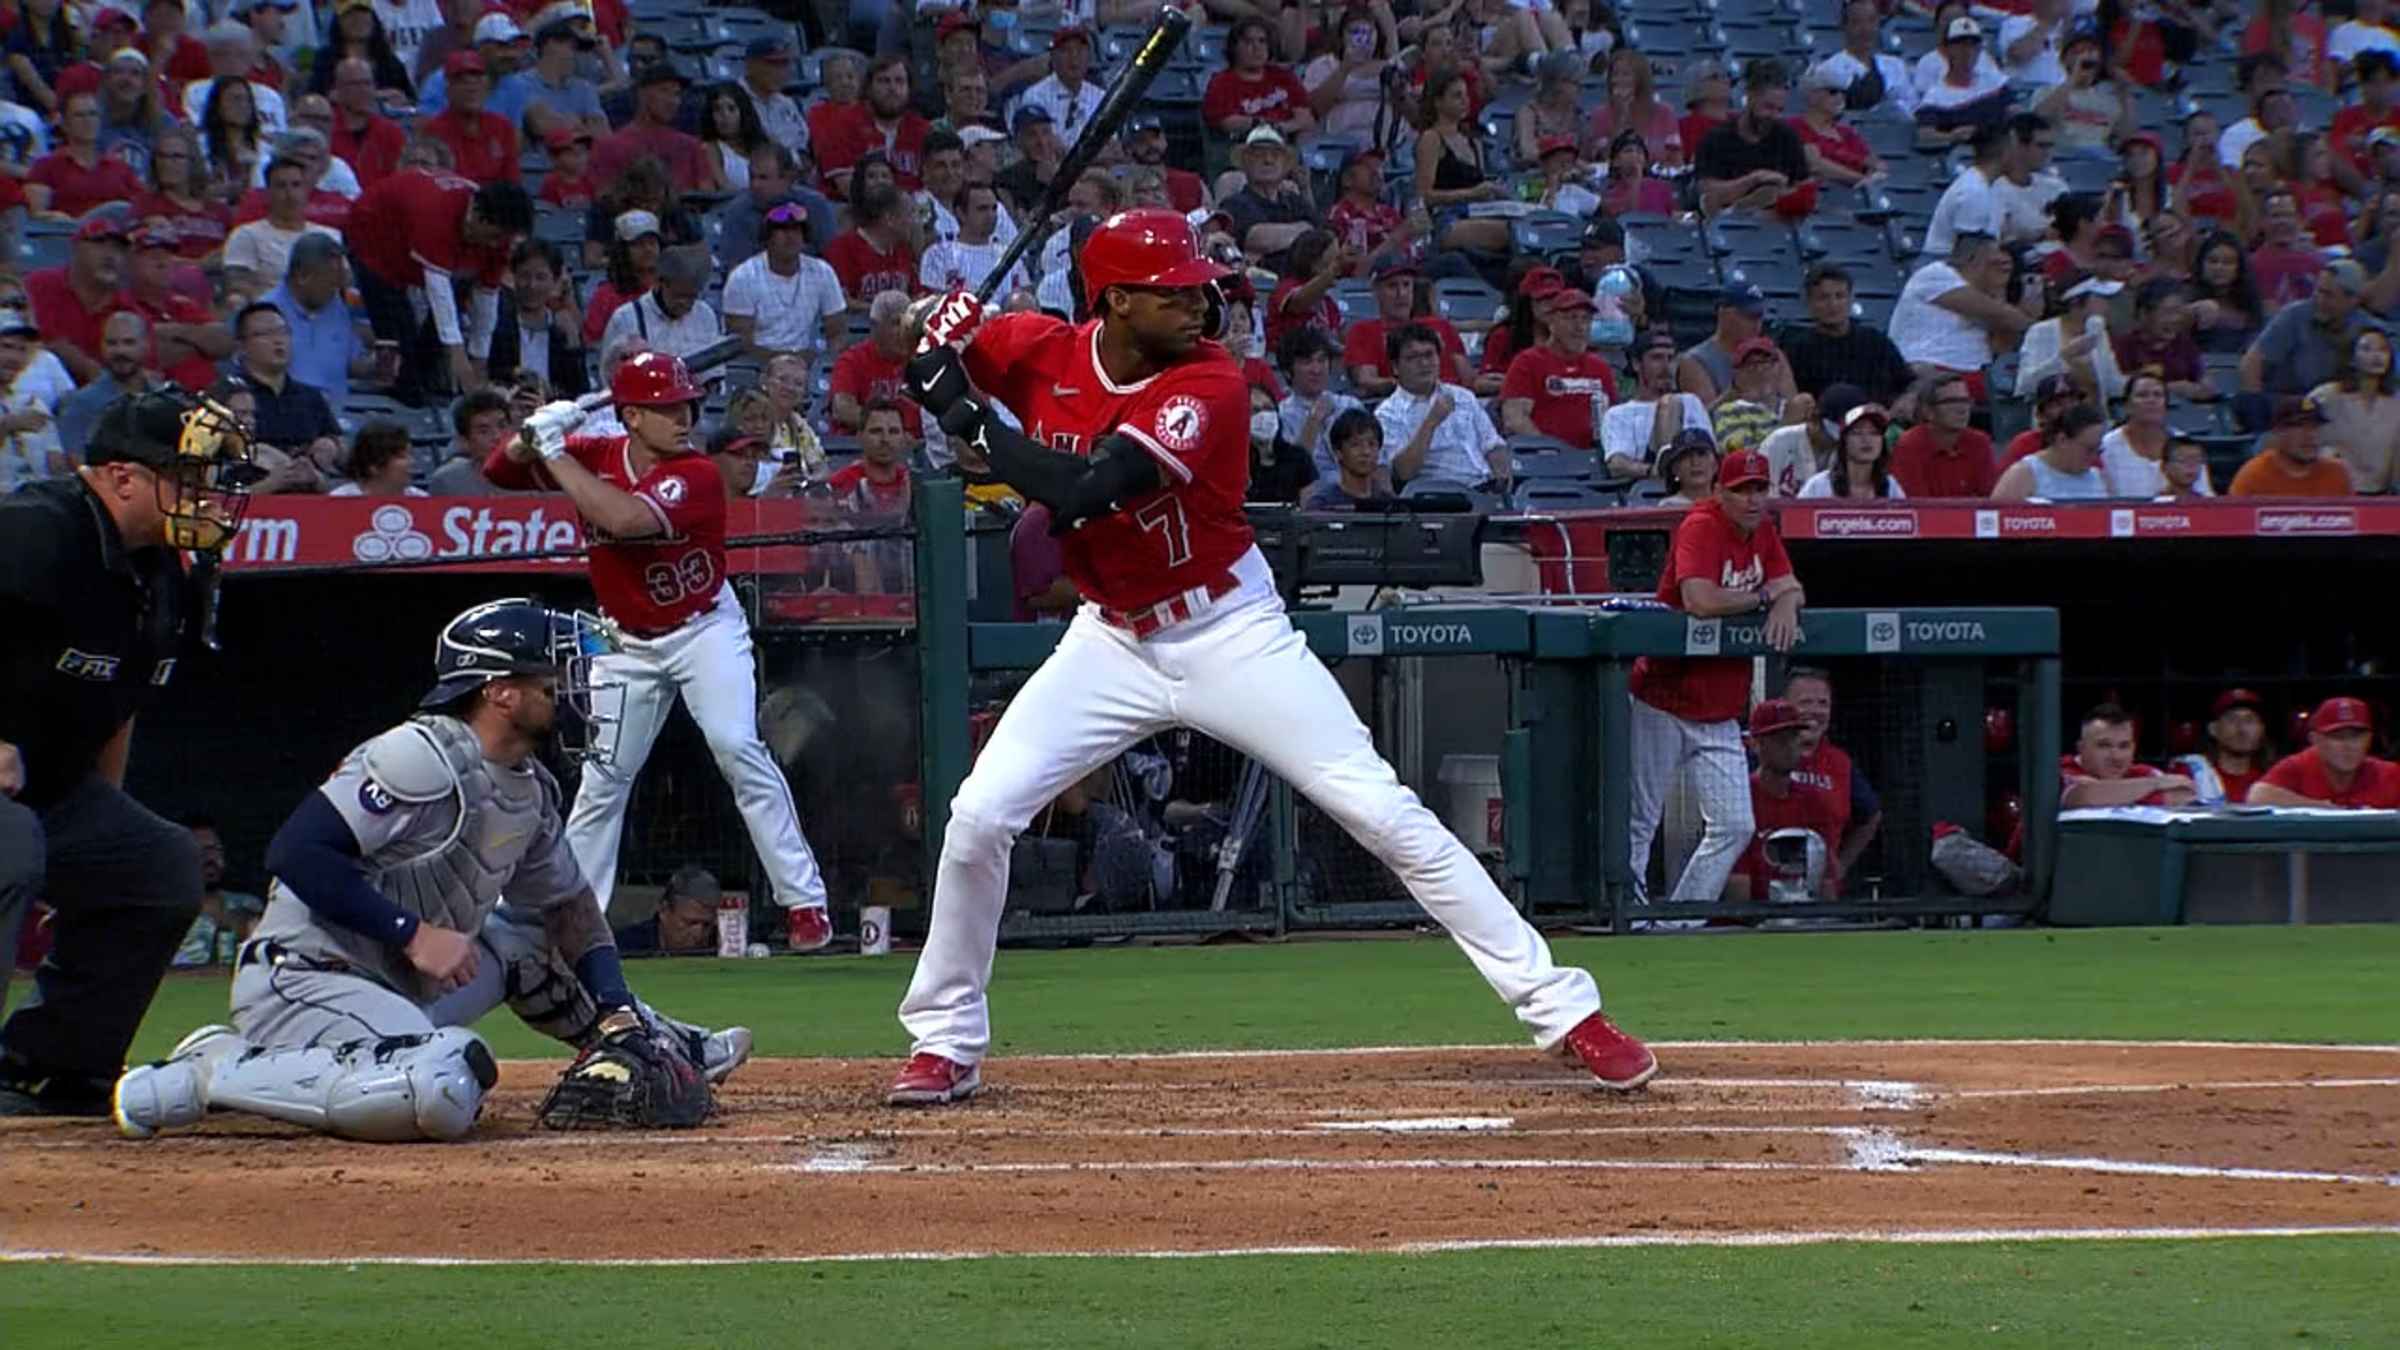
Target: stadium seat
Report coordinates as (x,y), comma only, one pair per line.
(1546,233)
(2197,420)
(1546,457)
(1538,496)
(2089,174)
(1467,300)
(1356,300)
(1473,499)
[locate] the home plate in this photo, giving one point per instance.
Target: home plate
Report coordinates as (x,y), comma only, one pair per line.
(1418,1124)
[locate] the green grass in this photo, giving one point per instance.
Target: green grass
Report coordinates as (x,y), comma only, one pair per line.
(2316,984)
(2313,984)
(2222,1292)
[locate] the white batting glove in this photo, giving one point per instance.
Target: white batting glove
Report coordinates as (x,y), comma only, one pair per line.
(549,426)
(951,321)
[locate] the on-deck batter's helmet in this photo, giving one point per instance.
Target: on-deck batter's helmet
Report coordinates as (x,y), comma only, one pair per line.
(653,380)
(1146,247)
(516,636)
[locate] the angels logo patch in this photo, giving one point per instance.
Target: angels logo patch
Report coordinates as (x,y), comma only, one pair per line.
(670,490)
(1181,423)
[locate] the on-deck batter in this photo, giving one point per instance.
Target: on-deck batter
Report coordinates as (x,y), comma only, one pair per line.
(655,510)
(1136,436)
(1727,560)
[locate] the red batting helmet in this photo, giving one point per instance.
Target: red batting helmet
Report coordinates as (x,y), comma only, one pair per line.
(1150,247)
(652,380)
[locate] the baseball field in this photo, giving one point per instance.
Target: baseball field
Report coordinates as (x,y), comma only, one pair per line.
(2136,1137)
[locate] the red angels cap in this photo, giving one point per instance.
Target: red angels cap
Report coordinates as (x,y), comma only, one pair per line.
(1540,283)
(2341,714)
(1757,346)
(1551,145)
(1569,298)
(1743,466)
(2235,698)
(1773,715)
(955,21)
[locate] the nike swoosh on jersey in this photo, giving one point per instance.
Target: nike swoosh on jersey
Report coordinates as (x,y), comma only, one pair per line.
(1063,391)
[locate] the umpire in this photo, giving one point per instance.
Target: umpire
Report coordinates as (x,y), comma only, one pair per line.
(99,608)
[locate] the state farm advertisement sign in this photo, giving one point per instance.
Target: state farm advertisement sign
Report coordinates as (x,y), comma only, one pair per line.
(482,533)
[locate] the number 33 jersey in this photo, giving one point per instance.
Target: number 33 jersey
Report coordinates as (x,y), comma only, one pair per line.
(656,583)
(1193,418)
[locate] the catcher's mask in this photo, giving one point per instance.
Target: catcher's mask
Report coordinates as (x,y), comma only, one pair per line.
(200,453)
(503,638)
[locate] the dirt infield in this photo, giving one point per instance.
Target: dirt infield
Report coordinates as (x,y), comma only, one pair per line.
(1366,1149)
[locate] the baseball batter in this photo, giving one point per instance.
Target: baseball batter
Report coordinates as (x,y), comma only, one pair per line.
(1136,436)
(654,508)
(385,936)
(1727,561)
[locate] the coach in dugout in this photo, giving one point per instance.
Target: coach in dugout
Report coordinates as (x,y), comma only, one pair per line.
(99,609)
(1727,562)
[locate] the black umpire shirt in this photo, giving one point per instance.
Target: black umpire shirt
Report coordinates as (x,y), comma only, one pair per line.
(94,630)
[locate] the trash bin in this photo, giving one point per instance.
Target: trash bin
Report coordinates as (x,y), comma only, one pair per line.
(1471,800)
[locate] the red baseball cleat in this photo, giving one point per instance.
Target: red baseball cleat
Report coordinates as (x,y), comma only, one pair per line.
(812,928)
(1619,1061)
(930,1080)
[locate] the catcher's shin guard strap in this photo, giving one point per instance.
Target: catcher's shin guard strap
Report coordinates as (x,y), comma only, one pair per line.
(550,999)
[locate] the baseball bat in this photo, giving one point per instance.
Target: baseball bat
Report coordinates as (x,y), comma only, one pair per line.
(1116,104)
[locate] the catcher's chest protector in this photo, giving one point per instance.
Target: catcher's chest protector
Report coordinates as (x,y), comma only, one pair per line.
(449,869)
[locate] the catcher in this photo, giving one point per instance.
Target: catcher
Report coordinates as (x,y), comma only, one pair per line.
(385,937)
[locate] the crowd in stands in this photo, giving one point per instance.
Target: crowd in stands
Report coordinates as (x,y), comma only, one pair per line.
(2030,249)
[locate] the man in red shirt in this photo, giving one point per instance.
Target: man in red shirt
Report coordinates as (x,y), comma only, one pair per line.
(1135,435)
(187,340)
(72,303)
(2335,770)
(878,479)
(1782,802)
(658,93)
(1364,349)
(1943,456)
(1559,387)
(1726,562)
(2372,106)
(869,372)
(1828,768)
(2236,757)
(873,255)
(446,236)
(654,508)
(1145,138)
(363,136)
(483,145)
(884,121)
(2101,772)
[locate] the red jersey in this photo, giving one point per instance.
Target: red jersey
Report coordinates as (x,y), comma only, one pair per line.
(1193,418)
(2237,785)
(61,314)
(1709,688)
(2348,136)
(194,372)
(419,222)
(2071,772)
(1828,769)
(655,584)
(1325,314)
(1185,192)
(685,158)
(1363,345)
(1843,145)
(1803,806)
(1272,95)
(1561,391)
(2375,787)
(199,231)
(75,189)
(484,145)
(1924,469)
(560,190)
(1362,227)
(867,271)
(372,151)
(847,134)
(866,374)
(854,487)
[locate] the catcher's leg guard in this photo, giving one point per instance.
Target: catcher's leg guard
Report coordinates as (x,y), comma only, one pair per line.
(718,1053)
(395,1090)
(543,992)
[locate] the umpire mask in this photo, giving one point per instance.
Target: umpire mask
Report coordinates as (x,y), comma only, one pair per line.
(200,453)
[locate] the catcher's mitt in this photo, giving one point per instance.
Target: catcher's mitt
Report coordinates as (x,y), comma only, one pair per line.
(633,1076)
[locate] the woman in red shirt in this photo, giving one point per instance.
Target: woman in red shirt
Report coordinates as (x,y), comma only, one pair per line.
(76,177)
(2203,190)
(1254,89)
(1633,106)
(2324,209)
(1837,153)
(177,201)
(1303,298)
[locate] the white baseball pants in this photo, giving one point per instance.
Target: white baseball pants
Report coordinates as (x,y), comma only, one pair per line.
(1242,674)
(1709,755)
(708,662)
